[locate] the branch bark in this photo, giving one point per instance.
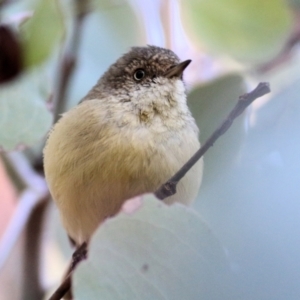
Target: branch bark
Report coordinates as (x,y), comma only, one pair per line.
(62,289)
(79,255)
(68,61)
(169,187)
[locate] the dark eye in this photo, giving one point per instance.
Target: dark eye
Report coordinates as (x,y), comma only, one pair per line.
(139,74)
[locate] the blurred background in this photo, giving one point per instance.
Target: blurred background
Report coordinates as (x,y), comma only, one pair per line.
(52,52)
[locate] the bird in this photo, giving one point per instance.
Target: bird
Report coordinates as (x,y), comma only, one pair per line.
(129,134)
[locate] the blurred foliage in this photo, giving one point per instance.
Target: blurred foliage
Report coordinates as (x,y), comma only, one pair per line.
(249,30)
(24,118)
(250,195)
(295,2)
(254,206)
(42,32)
(277,128)
(158,252)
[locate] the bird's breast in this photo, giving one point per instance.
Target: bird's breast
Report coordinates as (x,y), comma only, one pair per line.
(92,164)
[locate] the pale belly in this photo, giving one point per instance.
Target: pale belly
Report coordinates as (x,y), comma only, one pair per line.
(90,181)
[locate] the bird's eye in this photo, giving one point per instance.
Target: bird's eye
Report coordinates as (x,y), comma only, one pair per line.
(139,74)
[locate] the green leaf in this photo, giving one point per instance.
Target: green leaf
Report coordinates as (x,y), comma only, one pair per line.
(250,30)
(210,105)
(157,252)
(42,32)
(24,118)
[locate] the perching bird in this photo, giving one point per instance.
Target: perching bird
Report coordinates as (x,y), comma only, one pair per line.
(130,134)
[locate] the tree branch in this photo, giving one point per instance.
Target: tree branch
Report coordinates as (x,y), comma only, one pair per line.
(68,61)
(169,187)
(62,289)
(79,255)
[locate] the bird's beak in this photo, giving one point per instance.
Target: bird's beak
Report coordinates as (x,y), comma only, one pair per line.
(177,70)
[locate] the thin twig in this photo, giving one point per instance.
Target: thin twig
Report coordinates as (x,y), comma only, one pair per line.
(79,255)
(68,61)
(169,187)
(62,289)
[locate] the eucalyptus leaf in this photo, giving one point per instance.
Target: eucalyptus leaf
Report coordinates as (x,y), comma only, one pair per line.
(254,206)
(156,252)
(24,117)
(250,30)
(210,105)
(42,32)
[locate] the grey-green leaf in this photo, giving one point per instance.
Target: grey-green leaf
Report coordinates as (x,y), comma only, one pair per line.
(158,252)
(24,118)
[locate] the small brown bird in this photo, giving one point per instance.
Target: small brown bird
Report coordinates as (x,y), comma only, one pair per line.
(130,134)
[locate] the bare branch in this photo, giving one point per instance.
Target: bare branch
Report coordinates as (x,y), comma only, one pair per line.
(68,61)
(62,289)
(79,255)
(169,187)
